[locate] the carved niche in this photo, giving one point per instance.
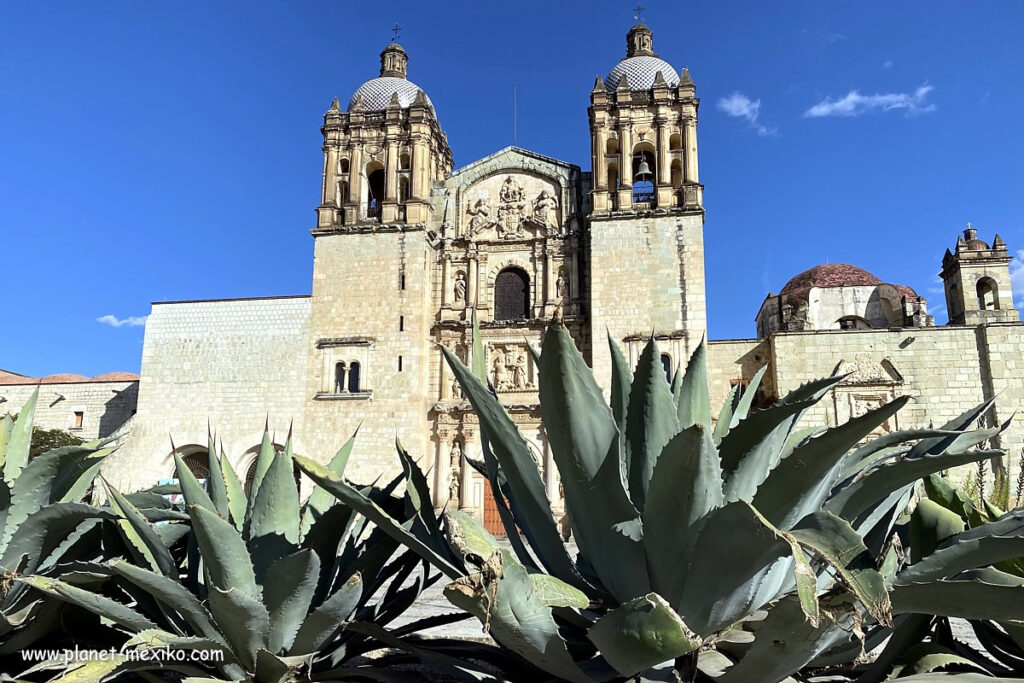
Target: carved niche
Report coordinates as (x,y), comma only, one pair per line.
(869,384)
(509,367)
(512,207)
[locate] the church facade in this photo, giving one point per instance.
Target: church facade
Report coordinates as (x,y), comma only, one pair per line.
(407,248)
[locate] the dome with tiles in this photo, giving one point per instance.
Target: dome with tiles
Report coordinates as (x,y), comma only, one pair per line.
(641,66)
(376,94)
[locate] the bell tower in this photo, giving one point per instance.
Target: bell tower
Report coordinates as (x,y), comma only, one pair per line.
(647,214)
(976,278)
(382,154)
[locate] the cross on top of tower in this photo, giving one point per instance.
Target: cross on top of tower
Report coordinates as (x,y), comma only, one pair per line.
(638,13)
(395,30)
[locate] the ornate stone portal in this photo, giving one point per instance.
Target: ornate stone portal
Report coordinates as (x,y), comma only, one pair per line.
(523,203)
(869,384)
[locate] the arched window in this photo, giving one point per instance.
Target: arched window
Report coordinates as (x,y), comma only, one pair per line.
(644,173)
(988,294)
(675,142)
(403,189)
(342,192)
(853,322)
(403,162)
(198,463)
(374,189)
(353,377)
(613,177)
(339,378)
(666,364)
(612,146)
(512,295)
(343,166)
(677,173)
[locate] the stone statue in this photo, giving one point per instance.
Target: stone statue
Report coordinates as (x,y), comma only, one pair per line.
(561,285)
(454,472)
(456,388)
(481,216)
(460,287)
(545,208)
(511,209)
(500,373)
(516,363)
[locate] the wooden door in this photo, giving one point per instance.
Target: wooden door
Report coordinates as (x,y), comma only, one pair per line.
(492,520)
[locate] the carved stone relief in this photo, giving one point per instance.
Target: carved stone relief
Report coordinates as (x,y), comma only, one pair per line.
(509,366)
(512,206)
(869,385)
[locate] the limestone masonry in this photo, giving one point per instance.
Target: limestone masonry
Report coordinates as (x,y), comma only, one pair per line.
(407,247)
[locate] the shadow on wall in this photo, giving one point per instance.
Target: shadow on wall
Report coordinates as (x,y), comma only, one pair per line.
(119,409)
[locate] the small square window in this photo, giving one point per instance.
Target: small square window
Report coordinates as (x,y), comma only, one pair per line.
(79,419)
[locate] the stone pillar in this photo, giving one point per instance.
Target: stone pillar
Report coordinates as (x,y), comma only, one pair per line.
(600,166)
(625,165)
(447,296)
(418,164)
(549,277)
(441,466)
(480,298)
(330,194)
(471,288)
(537,305)
(355,182)
(391,171)
(692,175)
(663,173)
(466,480)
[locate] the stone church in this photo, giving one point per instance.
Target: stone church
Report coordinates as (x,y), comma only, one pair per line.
(407,247)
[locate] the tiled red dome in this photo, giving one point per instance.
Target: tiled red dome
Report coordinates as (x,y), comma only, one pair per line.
(831,275)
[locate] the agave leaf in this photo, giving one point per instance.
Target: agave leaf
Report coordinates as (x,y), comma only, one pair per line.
(650,421)
(468,537)
(191,490)
(620,384)
(753,448)
(524,481)
(288,592)
(36,539)
(998,641)
(6,427)
(864,492)
(585,447)
(687,484)
(785,642)
(734,568)
(956,550)
(264,459)
(694,400)
(237,501)
(641,633)
(812,390)
(907,631)
(930,524)
(802,481)
(19,443)
(171,593)
(959,424)
(274,526)
(34,487)
(417,493)
(749,392)
(835,541)
(320,500)
(328,617)
(866,455)
(98,604)
(503,598)
(964,598)
(243,620)
(724,422)
(225,558)
(366,507)
(926,658)
(215,485)
(73,482)
(142,538)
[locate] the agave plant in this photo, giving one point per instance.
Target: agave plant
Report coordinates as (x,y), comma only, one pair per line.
(687,533)
(270,585)
(965,563)
(43,523)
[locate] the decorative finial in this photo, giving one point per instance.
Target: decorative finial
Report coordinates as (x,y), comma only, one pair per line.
(969,226)
(395,30)
(638,13)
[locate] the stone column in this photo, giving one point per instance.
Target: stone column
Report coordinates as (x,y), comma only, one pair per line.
(625,165)
(418,164)
(441,466)
(471,288)
(447,283)
(391,170)
(538,280)
(600,166)
(355,182)
(549,278)
(466,481)
(330,194)
(692,175)
(663,173)
(480,297)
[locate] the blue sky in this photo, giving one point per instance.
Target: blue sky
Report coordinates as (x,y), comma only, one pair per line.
(162,151)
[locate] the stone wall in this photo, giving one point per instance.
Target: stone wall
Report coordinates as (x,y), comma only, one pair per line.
(646,273)
(105,405)
(232,364)
(370,296)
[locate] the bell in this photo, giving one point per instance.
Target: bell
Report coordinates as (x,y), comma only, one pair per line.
(644,172)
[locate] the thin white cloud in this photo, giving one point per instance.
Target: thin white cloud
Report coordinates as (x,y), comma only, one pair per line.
(855,104)
(740,106)
(1017,278)
(836,37)
(887,64)
(114,321)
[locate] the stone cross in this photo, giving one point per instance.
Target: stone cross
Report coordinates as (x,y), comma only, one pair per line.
(395,30)
(638,13)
